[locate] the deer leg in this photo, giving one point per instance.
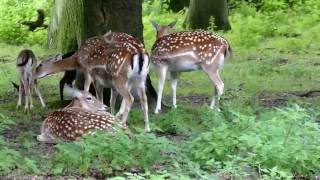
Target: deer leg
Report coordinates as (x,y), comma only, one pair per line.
(30,98)
(87,82)
(174,77)
(162,73)
(27,94)
(61,86)
(219,86)
(144,105)
(99,91)
(20,95)
(113,99)
(39,95)
(126,103)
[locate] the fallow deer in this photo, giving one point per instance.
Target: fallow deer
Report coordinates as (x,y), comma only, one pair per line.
(188,51)
(83,115)
(26,64)
(120,63)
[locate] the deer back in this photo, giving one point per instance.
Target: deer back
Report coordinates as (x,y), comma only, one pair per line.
(203,46)
(72,123)
(26,61)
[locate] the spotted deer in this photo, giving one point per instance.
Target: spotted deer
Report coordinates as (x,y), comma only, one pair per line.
(188,51)
(115,60)
(85,114)
(26,64)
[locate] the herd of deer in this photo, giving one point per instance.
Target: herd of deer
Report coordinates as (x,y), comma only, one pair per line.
(120,62)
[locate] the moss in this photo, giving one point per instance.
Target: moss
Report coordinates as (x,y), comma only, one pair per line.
(65,26)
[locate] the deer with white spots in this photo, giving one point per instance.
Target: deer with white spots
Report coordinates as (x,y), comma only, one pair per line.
(188,51)
(115,60)
(26,64)
(85,114)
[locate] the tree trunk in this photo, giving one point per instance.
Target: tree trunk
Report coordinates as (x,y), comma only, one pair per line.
(177,5)
(73,21)
(200,12)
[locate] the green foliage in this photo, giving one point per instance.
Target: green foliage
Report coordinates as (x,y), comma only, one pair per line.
(11,12)
(245,139)
(5,122)
(12,160)
(155,10)
(253,29)
(176,121)
(110,153)
(271,143)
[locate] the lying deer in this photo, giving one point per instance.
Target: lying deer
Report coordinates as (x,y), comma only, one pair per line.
(121,65)
(85,114)
(188,51)
(26,64)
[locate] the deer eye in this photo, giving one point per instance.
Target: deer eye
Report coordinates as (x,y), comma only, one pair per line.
(89,98)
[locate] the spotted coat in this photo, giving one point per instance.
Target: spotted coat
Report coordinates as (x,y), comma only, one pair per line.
(203,44)
(95,52)
(72,123)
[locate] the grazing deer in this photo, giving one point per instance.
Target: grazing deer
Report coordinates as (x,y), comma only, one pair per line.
(120,63)
(26,64)
(83,115)
(188,51)
(69,75)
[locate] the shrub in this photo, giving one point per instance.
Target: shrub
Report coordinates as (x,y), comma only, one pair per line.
(285,141)
(12,160)
(110,153)
(12,12)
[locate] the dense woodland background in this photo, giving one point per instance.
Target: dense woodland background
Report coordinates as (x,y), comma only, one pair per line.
(269,126)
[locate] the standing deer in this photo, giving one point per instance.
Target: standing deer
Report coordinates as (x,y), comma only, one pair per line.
(83,115)
(120,63)
(188,51)
(26,64)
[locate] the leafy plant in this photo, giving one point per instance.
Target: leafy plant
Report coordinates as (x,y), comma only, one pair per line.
(272,142)
(12,160)
(110,153)
(12,12)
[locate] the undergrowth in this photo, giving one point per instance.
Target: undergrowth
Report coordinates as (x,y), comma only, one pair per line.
(275,50)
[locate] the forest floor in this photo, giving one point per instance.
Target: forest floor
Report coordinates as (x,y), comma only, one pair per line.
(255,84)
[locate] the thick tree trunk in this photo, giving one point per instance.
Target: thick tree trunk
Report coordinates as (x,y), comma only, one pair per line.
(73,21)
(177,5)
(200,12)
(101,16)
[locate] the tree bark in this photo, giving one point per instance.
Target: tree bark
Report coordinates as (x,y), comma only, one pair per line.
(177,5)
(73,21)
(200,12)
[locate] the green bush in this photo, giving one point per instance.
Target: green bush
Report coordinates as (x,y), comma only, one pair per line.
(12,160)
(110,153)
(284,141)
(11,12)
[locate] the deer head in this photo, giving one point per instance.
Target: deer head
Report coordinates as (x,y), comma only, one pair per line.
(163,30)
(85,100)
(54,65)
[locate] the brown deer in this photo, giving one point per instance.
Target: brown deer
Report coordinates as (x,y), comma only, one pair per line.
(26,64)
(116,60)
(188,51)
(83,115)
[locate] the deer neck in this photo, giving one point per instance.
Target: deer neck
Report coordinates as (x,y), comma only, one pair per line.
(65,65)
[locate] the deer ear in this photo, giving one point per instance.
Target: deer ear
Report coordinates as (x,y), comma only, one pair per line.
(155,25)
(59,56)
(73,91)
(173,24)
(108,37)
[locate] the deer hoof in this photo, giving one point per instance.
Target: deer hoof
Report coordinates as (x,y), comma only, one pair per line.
(157,111)
(147,129)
